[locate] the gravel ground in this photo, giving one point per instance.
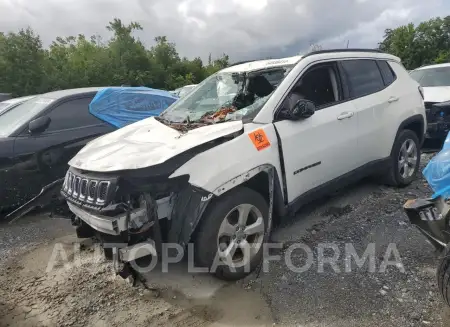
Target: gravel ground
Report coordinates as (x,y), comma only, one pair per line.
(29,232)
(89,295)
(362,215)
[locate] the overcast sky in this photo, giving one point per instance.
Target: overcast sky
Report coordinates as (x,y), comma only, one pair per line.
(243,29)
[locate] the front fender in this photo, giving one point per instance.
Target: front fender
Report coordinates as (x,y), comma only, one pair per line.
(192,202)
(212,169)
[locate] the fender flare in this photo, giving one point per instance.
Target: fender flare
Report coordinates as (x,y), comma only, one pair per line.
(203,199)
(413,119)
(275,191)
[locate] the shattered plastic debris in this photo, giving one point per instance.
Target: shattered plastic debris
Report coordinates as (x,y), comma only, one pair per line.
(217,116)
(208,118)
(184,127)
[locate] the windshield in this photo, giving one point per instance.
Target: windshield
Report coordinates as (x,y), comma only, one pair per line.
(21,114)
(227,96)
(185,90)
(430,77)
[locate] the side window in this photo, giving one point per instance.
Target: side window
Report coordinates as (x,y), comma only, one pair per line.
(319,84)
(363,77)
(387,72)
(72,114)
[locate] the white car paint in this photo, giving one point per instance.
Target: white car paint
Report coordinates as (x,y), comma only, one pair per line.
(380,114)
(231,159)
(144,144)
(340,145)
(437,93)
(266,114)
(262,64)
(323,139)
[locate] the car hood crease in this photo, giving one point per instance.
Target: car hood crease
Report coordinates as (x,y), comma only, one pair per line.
(145,144)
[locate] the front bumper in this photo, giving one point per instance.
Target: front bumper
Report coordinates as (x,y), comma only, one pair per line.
(118,224)
(438,118)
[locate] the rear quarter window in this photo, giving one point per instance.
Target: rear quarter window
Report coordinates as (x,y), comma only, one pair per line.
(363,77)
(386,72)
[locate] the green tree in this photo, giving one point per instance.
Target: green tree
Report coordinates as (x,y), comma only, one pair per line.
(21,62)
(426,43)
(80,61)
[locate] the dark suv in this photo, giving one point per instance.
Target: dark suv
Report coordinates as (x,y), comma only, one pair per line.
(39,137)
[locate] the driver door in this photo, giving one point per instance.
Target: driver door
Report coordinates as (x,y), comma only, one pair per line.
(321,148)
(41,158)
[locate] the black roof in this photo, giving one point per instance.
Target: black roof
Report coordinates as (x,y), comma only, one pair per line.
(343,50)
(318,52)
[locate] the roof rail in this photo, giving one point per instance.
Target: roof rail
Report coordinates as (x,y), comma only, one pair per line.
(342,50)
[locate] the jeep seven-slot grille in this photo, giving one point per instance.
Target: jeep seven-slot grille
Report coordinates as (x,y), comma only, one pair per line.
(83,189)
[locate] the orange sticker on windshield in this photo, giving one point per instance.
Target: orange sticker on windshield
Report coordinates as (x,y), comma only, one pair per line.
(259,139)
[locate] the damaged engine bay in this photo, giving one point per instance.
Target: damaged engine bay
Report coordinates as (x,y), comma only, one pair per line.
(438,118)
(132,213)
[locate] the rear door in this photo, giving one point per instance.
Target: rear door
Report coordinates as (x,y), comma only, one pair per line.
(372,100)
(43,158)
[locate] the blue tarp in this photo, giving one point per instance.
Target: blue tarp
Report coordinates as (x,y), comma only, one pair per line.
(121,106)
(437,172)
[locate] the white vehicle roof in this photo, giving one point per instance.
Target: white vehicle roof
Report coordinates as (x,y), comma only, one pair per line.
(433,66)
(336,54)
(262,64)
(17,100)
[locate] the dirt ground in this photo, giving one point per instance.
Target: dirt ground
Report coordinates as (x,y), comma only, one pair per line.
(85,291)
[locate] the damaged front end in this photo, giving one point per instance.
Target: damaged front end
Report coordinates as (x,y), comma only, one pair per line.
(431,217)
(438,118)
(133,212)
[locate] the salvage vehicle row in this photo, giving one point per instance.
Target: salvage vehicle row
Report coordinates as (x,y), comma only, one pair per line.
(40,134)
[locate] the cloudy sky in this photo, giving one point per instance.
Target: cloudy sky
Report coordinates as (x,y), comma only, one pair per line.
(243,29)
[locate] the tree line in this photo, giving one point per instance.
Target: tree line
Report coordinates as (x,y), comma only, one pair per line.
(27,67)
(424,44)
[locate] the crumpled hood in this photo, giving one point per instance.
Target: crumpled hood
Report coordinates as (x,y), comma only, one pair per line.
(436,94)
(144,144)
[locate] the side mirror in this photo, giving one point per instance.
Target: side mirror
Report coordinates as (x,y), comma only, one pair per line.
(302,109)
(39,125)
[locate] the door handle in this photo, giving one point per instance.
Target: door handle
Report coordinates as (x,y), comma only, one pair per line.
(392,99)
(345,115)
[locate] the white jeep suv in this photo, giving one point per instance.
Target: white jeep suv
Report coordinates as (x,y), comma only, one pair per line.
(217,167)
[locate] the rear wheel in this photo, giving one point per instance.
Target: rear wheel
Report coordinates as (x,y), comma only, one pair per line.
(443,275)
(405,159)
(230,239)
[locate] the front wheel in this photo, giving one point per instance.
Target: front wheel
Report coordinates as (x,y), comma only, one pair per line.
(405,159)
(230,238)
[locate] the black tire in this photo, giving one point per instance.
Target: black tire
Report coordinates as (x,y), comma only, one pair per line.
(443,275)
(393,176)
(206,237)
